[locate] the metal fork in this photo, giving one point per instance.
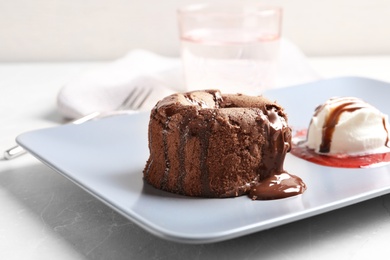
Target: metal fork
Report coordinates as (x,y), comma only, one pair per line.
(134,101)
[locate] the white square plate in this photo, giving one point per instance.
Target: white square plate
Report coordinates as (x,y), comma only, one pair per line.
(106,158)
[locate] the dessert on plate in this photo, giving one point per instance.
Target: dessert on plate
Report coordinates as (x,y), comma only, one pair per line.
(346,132)
(208,144)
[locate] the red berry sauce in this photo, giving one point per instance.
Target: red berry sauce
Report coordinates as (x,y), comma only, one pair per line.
(341,161)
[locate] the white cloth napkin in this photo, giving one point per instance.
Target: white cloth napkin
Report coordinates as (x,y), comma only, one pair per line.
(104,89)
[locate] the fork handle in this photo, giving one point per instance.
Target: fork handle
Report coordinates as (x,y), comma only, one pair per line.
(17,150)
(14,152)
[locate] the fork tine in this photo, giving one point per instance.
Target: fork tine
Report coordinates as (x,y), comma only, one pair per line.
(147,94)
(128,100)
(136,98)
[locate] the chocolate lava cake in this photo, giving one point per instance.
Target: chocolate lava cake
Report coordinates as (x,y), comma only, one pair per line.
(207,144)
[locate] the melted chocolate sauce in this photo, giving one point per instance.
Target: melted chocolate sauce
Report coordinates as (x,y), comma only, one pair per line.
(277,183)
(278,134)
(278,186)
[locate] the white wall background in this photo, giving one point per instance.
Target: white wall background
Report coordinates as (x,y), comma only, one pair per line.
(69,30)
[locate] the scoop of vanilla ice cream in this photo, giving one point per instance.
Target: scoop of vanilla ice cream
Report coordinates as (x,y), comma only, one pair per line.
(348,125)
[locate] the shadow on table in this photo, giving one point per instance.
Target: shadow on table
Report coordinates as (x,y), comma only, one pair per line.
(97,232)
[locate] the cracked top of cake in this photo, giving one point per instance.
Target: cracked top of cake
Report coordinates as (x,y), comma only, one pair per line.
(213,99)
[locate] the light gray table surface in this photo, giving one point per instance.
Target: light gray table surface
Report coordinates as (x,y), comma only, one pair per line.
(45,216)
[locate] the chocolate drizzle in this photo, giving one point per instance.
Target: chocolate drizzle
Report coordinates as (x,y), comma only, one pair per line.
(184,131)
(164,180)
(387,131)
(339,106)
(204,147)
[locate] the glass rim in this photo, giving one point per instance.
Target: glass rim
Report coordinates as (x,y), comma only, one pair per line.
(236,9)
